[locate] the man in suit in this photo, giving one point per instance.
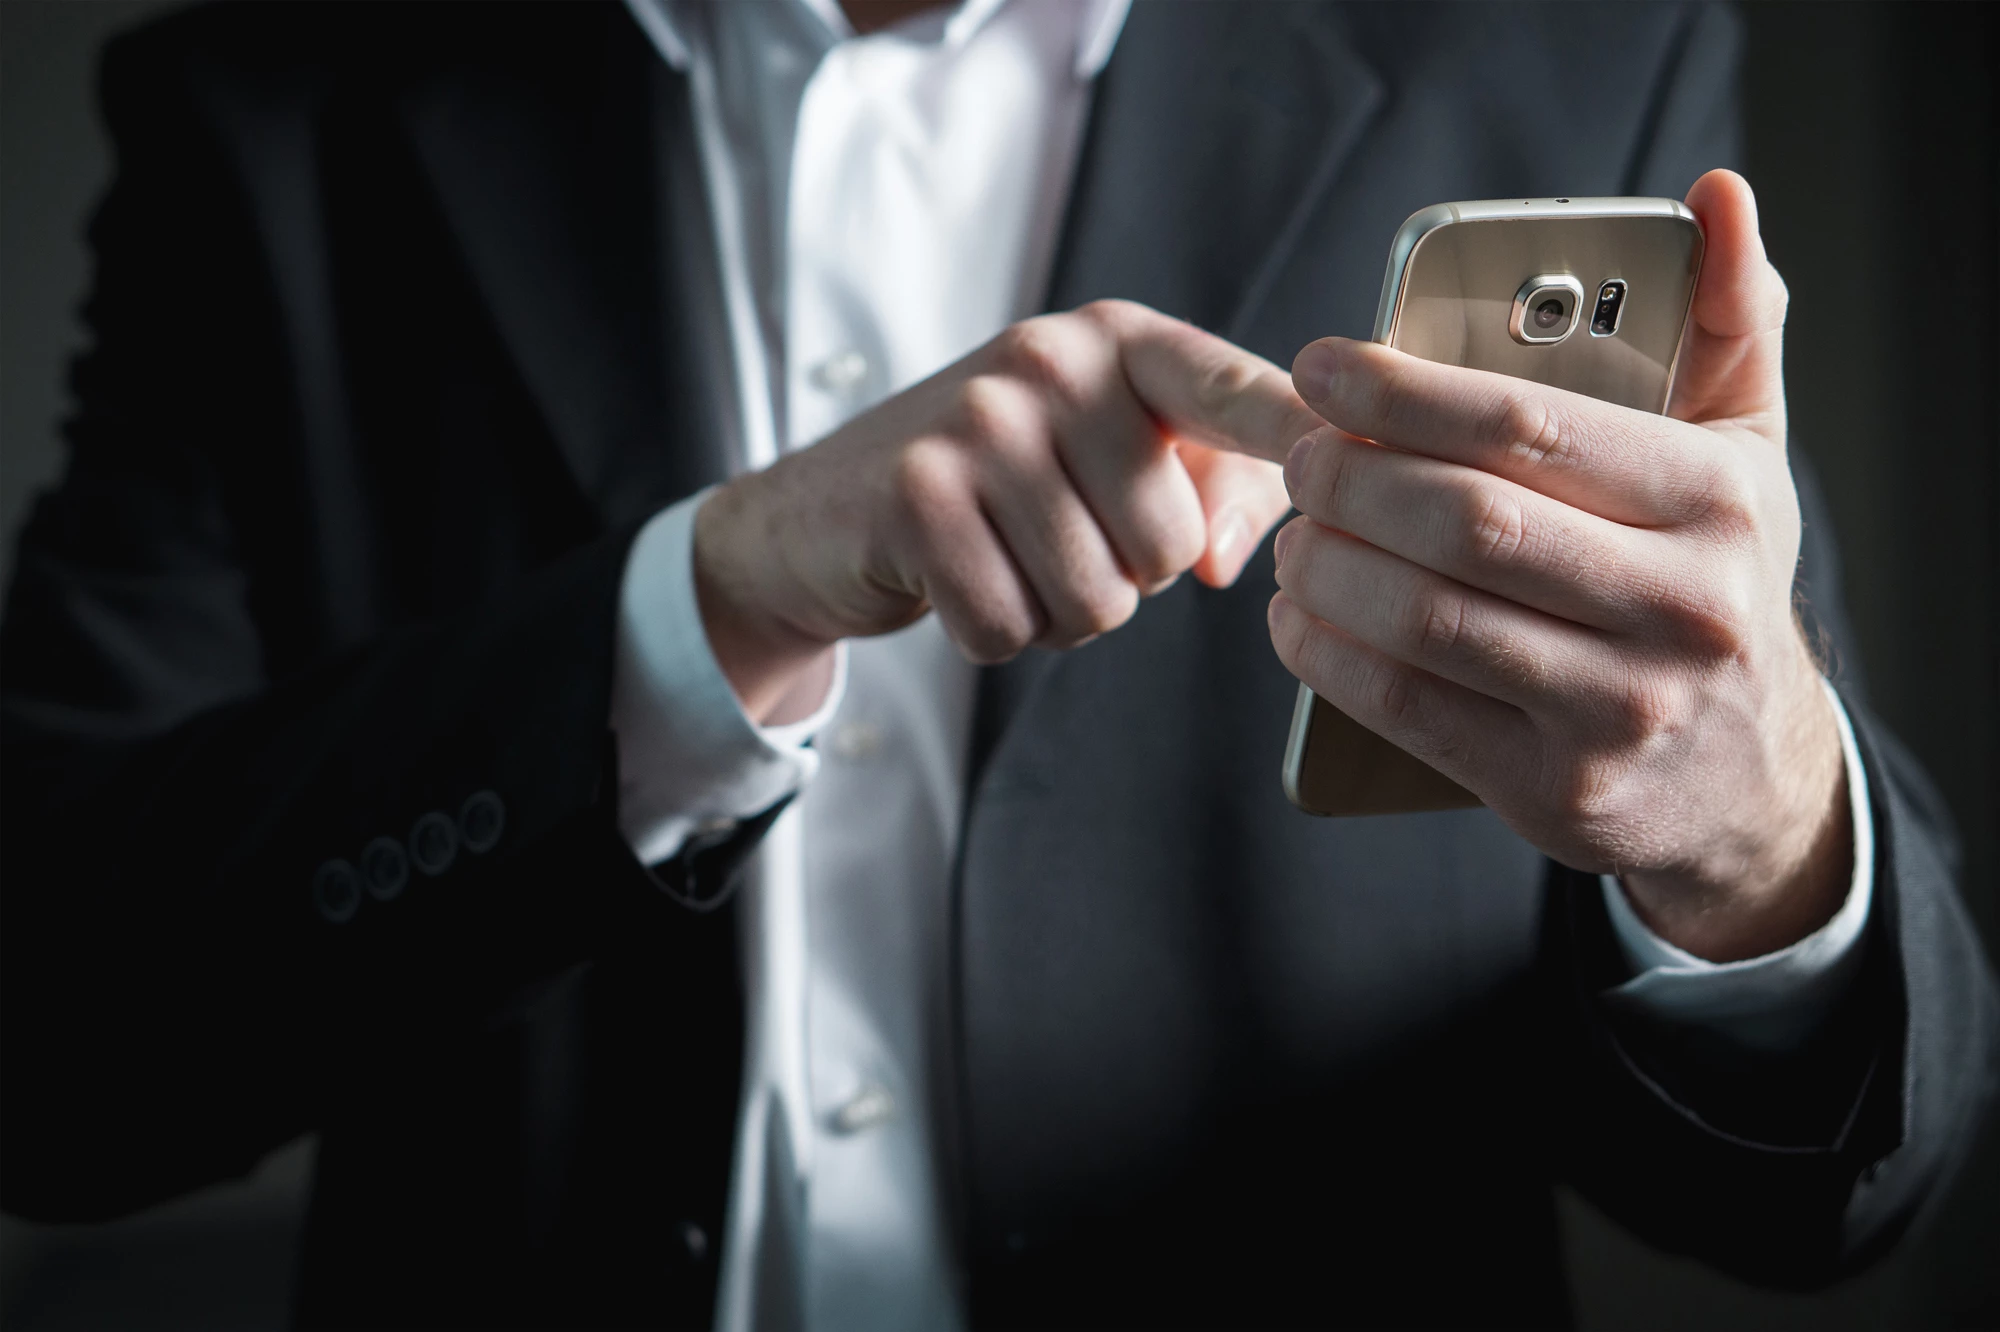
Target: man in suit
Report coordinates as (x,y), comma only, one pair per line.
(475,694)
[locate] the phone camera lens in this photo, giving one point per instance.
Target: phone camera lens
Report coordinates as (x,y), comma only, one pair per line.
(1546,310)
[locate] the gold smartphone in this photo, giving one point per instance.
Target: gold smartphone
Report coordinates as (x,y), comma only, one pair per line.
(1590,295)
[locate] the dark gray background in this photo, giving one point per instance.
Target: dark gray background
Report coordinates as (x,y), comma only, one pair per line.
(1871,146)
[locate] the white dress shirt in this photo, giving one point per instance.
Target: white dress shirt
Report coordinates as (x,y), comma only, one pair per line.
(882,206)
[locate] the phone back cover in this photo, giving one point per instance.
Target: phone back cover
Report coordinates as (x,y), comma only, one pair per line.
(1450,303)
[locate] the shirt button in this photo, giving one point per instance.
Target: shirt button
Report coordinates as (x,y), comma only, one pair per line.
(337,891)
(840,373)
(695,1240)
(385,867)
(855,740)
(868,1107)
(434,843)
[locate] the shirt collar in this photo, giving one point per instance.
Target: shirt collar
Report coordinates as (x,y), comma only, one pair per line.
(1098,25)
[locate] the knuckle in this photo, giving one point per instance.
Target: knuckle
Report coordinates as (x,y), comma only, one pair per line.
(924,480)
(996,635)
(1647,712)
(1166,549)
(1526,429)
(1727,504)
(1287,629)
(1105,606)
(1494,525)
(987,645)
(1184,543)
(1223,381)
(1436,624)
(1633,719)
(1393,393)
(1167,541)
(1109,312)
(1376,389)
(1399,695)
(1287,626)
(1583,795)
(1041,353)
(1714,496)
(991,412)
(1305,645)
(1715,617)
(1327,488)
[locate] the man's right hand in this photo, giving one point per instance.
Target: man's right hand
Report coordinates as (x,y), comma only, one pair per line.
(1031,493)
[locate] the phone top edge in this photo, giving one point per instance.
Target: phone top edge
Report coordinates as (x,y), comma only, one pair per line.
(1488,210)
(1424,221)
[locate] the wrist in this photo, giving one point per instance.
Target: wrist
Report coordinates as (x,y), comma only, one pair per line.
(778,672)
(1782,874)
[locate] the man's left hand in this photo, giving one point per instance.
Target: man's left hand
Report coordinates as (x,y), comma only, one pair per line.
(1582,612)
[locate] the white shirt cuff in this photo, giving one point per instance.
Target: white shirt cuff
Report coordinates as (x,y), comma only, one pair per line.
(1770,1002)
(689,759)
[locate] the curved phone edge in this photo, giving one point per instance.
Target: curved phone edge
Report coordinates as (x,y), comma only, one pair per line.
(1687,312)
(1415,227)
(1295,748)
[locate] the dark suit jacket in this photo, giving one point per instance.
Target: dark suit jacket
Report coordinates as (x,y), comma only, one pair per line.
(404,320)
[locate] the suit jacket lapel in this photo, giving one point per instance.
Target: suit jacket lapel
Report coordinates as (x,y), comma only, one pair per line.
(564,163)
(1215,133)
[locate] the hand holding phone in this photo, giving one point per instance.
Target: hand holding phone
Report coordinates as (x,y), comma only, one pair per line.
(1580,611)
(1495,285)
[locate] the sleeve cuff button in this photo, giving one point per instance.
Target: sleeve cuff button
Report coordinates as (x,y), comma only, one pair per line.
(385,867)
(433,843)
(337,891)
(481,820)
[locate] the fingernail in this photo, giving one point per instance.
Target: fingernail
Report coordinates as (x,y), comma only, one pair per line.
(1295,465)
(1278,544)
(1229,535)
(1316,371)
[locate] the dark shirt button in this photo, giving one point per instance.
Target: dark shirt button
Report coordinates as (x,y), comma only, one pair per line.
(433,843)
(481,821)
(385,867)
(695,1240)
(337,891)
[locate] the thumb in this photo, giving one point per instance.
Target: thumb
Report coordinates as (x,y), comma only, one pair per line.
(1241,498)
(1732,361)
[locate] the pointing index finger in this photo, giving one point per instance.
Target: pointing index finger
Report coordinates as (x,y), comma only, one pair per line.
(1205,389)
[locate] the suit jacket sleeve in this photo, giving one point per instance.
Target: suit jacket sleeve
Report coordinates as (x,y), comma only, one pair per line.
(1790,1170)
(190,738)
